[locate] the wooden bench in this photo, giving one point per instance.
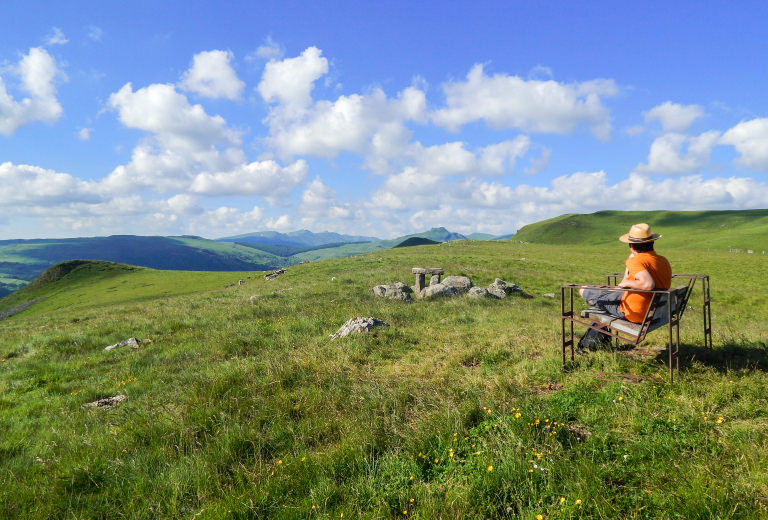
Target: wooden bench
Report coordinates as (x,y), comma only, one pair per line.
(421,272)
(666,308)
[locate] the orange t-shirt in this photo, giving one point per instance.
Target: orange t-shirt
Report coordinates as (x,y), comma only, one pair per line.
(633,304)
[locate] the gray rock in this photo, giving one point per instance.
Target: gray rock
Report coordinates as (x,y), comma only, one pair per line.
(106,402)
(549,295)
(479,292)
(507,287)
(130,342)
(358,325)
(434,279)
(460,283)
(439,290)
(496,292)
(395,291)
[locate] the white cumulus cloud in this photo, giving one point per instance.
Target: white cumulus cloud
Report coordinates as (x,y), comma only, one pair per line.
(750,138)
(320,207)
(290,81)
(674,117)
(37,72)
(263,178)
(183,140)
(454,159)
(676,154)
(505,101)
(212,76)
(25,185)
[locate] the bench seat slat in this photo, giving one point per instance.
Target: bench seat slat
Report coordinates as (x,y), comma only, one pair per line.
(634,329)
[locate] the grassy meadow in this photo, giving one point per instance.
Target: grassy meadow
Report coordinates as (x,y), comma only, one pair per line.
(241,407)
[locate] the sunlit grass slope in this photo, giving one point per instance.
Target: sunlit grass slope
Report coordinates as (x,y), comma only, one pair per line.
(92,283)
(711,230)
(241,406)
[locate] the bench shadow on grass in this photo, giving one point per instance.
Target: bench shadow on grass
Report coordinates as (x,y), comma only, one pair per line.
(737,355)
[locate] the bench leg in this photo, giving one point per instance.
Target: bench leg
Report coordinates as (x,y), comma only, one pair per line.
(707,313)
(563,314)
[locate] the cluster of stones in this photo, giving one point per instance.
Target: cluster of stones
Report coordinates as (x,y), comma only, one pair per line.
(449,287)
(274,274)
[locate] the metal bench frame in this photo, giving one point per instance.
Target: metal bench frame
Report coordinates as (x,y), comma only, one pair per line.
(635,333)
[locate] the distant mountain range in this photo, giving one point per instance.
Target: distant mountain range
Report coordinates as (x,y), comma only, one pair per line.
(297,238)
(23,260)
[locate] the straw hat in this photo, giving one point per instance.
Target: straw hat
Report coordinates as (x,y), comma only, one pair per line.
(638,234)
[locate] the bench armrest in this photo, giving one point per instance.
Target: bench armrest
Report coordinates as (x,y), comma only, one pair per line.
(613,288)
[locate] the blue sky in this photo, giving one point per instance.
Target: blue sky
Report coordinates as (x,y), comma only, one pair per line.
(374,118)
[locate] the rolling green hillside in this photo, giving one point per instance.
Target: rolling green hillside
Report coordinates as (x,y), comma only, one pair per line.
(74,284)
(711,230)
(22,260)
(237,404)
(416,241)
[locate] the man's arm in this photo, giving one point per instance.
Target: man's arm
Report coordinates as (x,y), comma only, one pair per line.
(643,281)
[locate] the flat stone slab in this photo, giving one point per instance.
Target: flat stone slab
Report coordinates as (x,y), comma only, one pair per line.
(427,270)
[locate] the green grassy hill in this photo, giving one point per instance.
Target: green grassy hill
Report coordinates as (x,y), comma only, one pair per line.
(73,284)
(713,230)
(240,406)
(416,241)
(22,260)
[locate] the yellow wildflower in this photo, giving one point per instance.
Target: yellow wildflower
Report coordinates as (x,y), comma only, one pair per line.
(490,468)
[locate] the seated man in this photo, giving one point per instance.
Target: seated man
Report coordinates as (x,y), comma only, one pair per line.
(645,270)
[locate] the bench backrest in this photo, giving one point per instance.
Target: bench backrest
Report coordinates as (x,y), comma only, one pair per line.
(679,296)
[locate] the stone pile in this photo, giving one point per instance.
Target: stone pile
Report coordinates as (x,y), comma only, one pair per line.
(450,286)
(274,274)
